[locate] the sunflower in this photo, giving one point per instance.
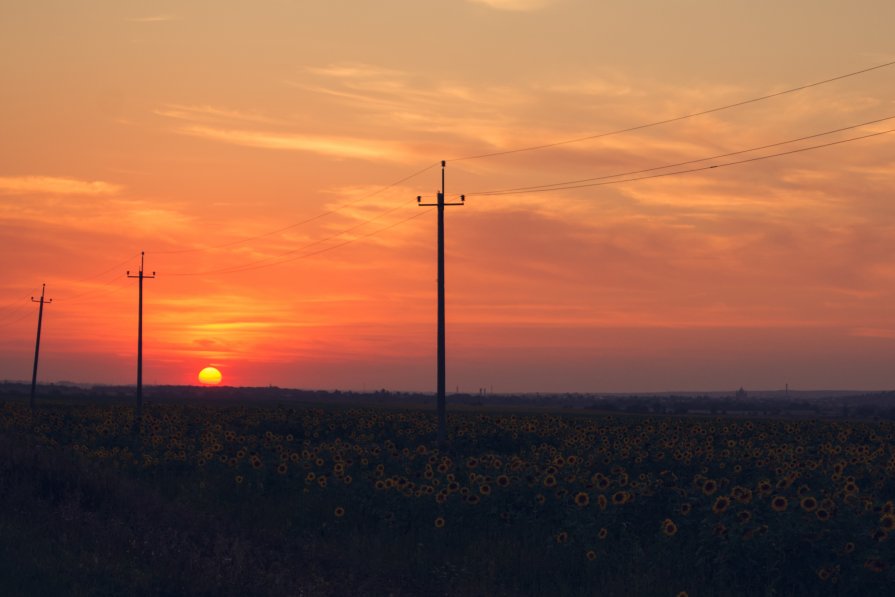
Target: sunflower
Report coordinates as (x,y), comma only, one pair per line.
(239,479)
(503,480)
(685,508)
(485,489)
(848,547)
(582,499)
(591,555)
(887,522)
(619,498)
(439,522)
(339,511)
(709,487)
(875,565)
(779,503)
(742,494)
(549,481)
(562,537)
(669,528)
(603,533)
(823,514)
(744,516)
(808,503)
(282,469)
(602,502)
(722,503)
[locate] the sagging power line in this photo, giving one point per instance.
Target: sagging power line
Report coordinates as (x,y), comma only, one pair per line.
(674,119)
(679,164)
(560,186)
(526,149)
(301,222)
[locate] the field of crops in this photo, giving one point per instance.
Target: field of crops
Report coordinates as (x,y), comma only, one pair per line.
(296,500)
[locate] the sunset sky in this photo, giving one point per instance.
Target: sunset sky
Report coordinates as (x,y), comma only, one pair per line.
(267,157)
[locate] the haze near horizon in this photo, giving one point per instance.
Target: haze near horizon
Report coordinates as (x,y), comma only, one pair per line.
(267,159)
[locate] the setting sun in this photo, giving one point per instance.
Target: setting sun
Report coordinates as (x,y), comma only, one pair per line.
(210,376)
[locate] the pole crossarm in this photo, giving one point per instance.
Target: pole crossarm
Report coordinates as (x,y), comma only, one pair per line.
(40,316)
(138,409)
(442,417)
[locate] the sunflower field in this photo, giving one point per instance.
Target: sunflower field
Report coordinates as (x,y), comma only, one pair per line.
(292,499)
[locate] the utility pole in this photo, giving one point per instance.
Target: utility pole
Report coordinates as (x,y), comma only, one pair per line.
(40,316)
(442,418)
(138,412)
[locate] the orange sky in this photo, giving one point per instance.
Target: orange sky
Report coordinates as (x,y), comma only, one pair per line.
(251,149)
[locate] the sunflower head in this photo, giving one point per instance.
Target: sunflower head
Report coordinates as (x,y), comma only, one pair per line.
(779,503)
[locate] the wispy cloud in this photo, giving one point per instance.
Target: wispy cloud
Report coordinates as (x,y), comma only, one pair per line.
(163,18)
(404,103)
(515,5)
(51,185)
(217,114)
(326,145)
(240,127)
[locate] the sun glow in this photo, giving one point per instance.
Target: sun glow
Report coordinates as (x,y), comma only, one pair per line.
(210,376)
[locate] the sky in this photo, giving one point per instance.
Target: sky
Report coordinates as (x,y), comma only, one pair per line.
(267,156)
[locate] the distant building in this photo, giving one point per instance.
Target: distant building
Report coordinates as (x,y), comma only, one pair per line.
(741,394)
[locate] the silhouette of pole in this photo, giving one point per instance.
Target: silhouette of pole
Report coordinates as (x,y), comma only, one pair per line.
(138,410)
(440,404)
(40,316)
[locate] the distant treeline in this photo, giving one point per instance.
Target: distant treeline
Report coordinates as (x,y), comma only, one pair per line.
(798,404)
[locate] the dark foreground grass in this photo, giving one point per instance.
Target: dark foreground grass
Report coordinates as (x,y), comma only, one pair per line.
(355,501)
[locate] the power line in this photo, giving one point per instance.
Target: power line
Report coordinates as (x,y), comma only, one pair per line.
(279,260)
(10,311)
(302,222)
(331,248)
(111,282)
(675,119)
(690,170)
(544,187)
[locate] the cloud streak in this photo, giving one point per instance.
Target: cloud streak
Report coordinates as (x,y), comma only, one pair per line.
(344,147)
(515,5)
(163,18)
(239,127)
(52,185)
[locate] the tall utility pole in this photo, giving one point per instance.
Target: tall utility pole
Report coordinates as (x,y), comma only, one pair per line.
(138,412)
(442,418)
(40,316)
